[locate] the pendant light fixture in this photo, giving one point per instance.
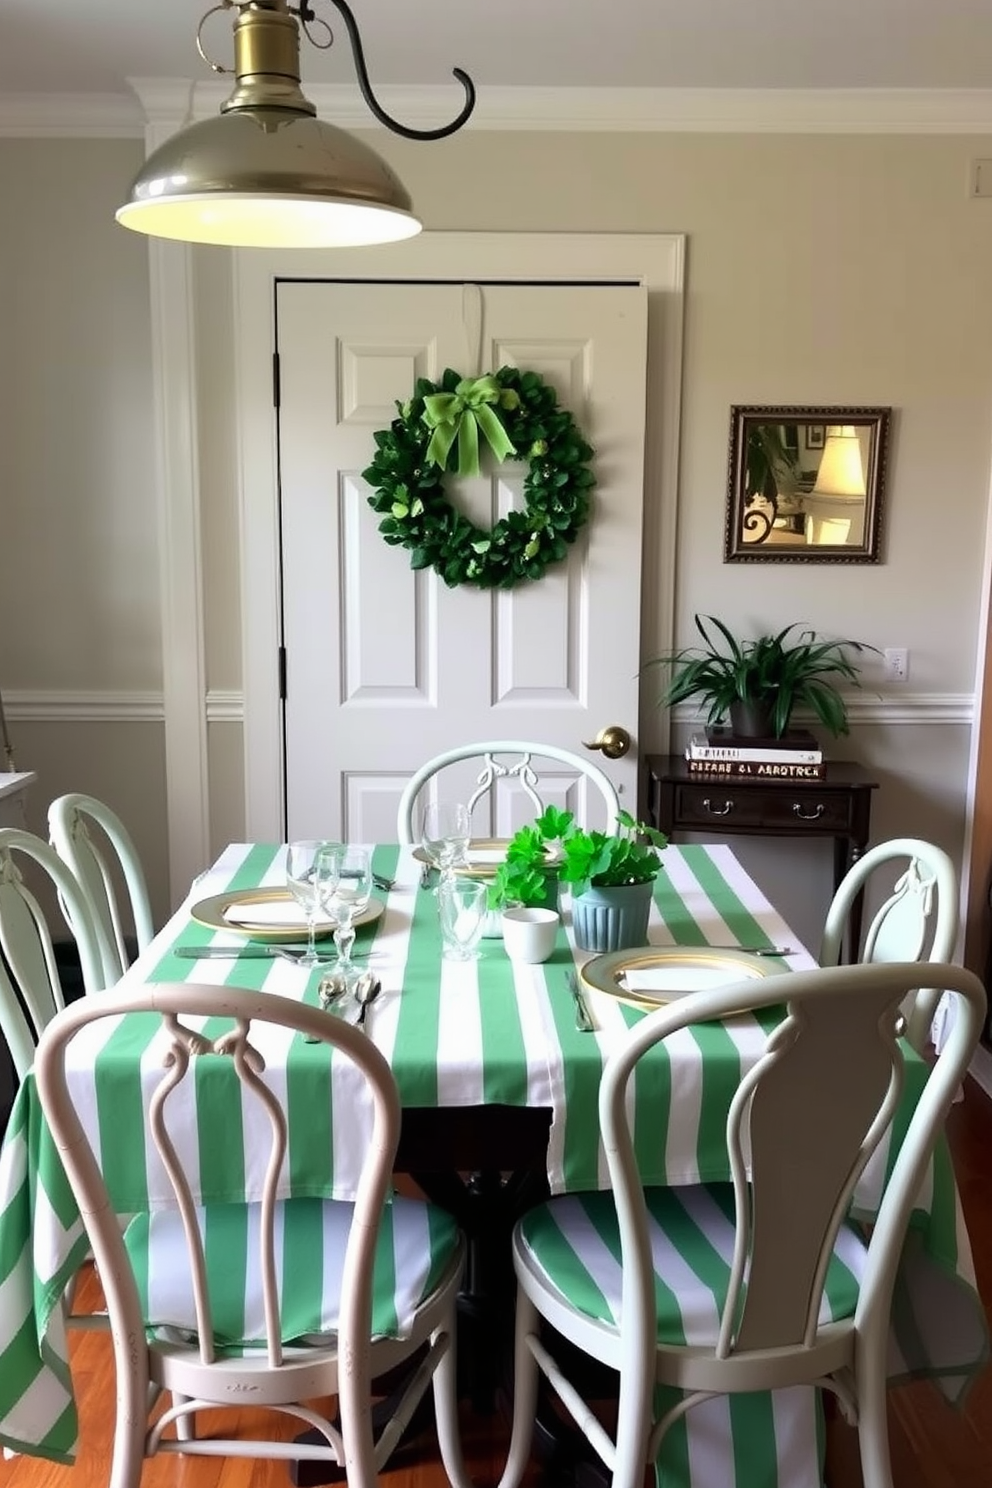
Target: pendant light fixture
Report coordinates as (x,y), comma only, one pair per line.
(267,173)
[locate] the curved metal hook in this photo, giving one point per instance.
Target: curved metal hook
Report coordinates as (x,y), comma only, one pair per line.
(376,108)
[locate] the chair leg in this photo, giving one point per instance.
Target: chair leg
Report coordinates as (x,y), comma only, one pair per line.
(873,1426)
(131,1419)
(525,1383)
(446,1408)
(185,1425)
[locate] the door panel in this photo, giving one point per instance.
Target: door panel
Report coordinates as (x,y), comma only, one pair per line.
(386,667)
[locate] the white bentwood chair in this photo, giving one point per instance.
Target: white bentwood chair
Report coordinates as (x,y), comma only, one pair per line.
(31,990)
(91,838)
(902,928)
(510,760)
(761,1283)
(289,1334)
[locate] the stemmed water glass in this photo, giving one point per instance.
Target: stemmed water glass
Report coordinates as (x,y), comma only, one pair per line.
(445,834)
(346,895)
(310,867)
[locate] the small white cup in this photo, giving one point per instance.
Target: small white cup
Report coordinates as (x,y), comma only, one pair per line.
(529,934)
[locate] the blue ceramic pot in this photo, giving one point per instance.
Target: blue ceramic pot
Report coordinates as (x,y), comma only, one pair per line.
(611,919)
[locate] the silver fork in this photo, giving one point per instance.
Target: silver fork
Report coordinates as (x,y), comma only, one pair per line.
(584,1021)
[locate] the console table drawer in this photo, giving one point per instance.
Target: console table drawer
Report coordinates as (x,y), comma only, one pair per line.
(715,803)
(838,807)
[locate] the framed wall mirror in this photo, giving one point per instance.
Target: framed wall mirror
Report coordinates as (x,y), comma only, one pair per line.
(805,484)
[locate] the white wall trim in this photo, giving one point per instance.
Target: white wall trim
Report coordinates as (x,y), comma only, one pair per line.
(178,502)
(227,705)
(70,116)
(908,708)
(630,110)
(84,707)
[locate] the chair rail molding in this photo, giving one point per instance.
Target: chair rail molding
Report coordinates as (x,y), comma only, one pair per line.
(85,707)
(113,707)
(227,705)
(908,708)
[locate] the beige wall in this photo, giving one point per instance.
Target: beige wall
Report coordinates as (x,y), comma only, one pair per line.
(821,269)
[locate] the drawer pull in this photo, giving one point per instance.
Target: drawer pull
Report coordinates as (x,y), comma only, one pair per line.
(723,810)
(797,810)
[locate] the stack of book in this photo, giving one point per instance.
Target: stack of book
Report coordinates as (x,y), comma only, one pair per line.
(719,752)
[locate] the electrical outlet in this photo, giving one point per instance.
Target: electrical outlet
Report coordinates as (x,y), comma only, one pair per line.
(896,663)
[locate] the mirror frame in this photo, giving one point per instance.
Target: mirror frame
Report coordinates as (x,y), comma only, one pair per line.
(743,421)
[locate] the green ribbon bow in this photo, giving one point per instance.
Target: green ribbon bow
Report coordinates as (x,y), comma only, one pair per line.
(461,415)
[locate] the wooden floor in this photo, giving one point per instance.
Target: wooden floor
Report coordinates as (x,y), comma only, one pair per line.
(933,1445)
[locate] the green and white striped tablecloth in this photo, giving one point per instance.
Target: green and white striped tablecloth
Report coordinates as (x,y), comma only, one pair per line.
(455,1035)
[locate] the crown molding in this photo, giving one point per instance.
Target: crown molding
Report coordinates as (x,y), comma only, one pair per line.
(70,115)
(603,110)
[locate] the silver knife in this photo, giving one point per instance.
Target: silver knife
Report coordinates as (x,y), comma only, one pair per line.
(210,952)
(751,950)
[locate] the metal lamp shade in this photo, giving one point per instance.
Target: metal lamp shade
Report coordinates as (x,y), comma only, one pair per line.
(268,177)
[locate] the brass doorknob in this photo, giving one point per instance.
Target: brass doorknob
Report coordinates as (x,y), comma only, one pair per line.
(613,740)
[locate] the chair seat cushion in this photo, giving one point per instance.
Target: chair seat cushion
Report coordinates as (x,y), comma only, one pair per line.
(575,1242)
(415,1244)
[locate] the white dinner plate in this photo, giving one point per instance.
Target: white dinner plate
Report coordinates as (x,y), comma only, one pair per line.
(484,855)
(268,914)
(650,976)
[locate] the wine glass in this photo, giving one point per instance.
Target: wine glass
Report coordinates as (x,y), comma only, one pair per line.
(461,905)
(347,893)
(445,834)
(310,864)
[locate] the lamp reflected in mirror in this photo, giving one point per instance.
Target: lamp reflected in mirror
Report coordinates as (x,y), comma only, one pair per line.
(835,508)
(805,484)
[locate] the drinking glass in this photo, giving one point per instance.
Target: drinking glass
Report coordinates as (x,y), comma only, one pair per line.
(346,895)
(445,834)
(461,906)
(310,864)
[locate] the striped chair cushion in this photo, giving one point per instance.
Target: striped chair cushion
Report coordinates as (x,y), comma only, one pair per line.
(576,1242)
(416,1242)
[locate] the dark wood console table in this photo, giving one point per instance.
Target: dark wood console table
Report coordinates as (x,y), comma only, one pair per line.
(837,807)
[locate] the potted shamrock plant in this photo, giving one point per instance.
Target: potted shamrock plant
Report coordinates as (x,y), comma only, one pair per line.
(610,874)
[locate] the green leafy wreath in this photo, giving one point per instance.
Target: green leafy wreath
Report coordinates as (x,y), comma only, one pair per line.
(437,431)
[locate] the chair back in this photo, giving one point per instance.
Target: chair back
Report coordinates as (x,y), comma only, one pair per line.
(905,923)
(512,761)
(31,989)
(93,840)
(803,1125)
(196,1024)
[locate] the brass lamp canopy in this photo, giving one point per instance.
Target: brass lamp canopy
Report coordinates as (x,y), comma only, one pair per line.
(267,173)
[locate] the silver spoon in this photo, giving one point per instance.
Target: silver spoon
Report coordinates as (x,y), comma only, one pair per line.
(330,990)
(367,989)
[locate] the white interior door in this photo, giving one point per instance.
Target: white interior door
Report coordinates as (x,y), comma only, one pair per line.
(385,667)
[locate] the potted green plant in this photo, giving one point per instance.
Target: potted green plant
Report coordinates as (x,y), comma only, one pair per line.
(759,683)
(611,875)
(771,461)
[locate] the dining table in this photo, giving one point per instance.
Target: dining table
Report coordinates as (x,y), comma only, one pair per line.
(493,1072)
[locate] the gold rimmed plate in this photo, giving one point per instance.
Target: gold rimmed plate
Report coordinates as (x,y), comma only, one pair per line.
(650,976)
(268,914)
(484,855)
